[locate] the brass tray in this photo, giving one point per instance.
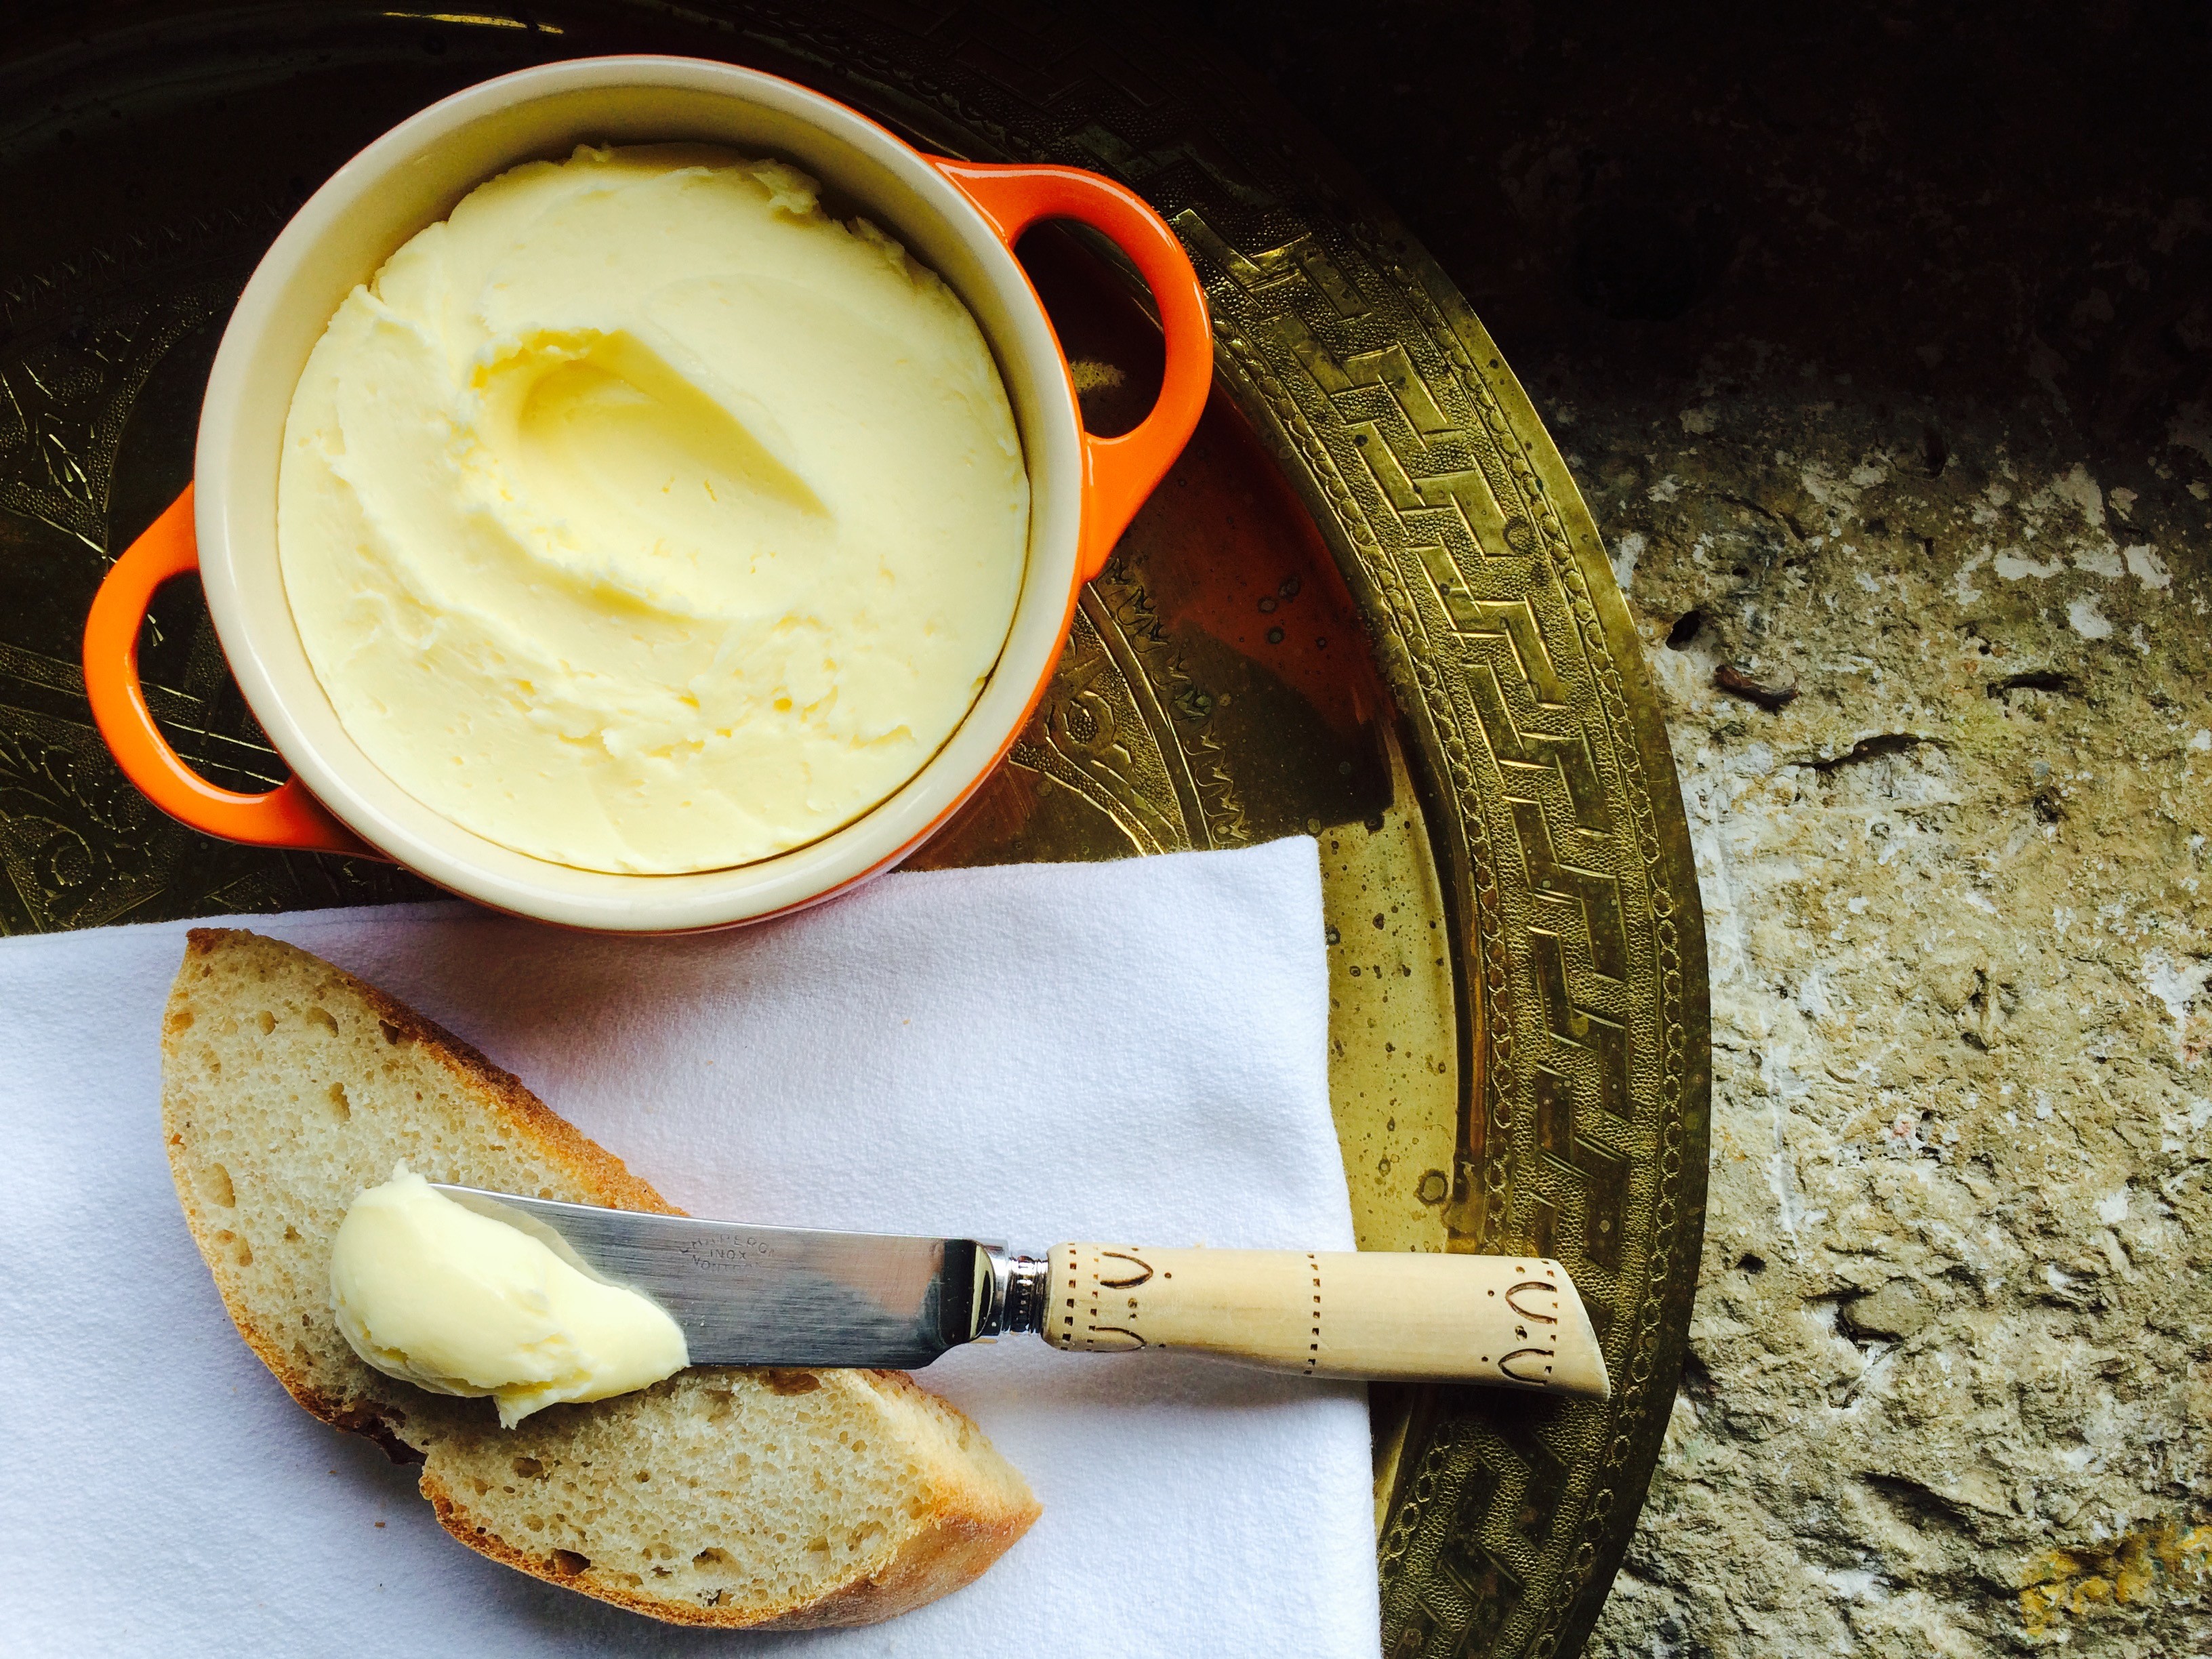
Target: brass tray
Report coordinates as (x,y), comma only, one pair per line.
(1368,605)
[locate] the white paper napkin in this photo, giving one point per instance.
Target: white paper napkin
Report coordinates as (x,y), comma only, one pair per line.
(1128,1051)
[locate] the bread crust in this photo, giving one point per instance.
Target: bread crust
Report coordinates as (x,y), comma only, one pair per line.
(950,1550)
(961,1528)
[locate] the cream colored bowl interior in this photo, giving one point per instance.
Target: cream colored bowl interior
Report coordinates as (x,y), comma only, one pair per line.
(412,177)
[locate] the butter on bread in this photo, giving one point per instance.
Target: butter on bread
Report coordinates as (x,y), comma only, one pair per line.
(718,1497)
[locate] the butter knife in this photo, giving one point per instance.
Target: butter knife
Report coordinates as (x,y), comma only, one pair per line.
(787,1296)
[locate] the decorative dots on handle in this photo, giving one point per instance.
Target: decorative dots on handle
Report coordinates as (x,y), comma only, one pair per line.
(1093,1332)
(1313,1348)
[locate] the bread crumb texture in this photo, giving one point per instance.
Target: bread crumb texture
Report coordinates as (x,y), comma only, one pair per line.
(718,1497)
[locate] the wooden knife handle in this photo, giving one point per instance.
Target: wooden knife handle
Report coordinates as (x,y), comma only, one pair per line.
(1386,1314)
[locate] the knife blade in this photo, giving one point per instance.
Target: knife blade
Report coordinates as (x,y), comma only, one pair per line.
(745,1295)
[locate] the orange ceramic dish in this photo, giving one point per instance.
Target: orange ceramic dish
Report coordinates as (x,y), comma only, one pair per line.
(959,218)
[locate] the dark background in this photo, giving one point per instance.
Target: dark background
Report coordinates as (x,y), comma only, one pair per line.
(1957,204)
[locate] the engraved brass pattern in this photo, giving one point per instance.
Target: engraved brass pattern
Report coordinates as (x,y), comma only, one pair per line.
(1517,971)
(1106,731)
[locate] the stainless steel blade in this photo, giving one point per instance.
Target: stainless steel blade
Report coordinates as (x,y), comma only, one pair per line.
(773,1296)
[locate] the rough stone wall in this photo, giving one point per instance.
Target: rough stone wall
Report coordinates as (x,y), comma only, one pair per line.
(1950,1391)
(1880,343)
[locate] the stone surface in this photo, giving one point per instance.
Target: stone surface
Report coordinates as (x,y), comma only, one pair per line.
(1881,347)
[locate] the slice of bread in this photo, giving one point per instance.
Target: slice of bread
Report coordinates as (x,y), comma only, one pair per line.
(718,1497)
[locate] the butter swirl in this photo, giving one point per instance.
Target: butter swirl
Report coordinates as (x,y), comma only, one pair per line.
(643,517)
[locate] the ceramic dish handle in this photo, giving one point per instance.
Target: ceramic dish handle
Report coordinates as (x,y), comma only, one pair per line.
(288,815)
(1120,472)
(1400,1315)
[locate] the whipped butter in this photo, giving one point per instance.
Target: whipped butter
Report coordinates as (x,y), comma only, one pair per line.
(642,516)
(459,1303)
